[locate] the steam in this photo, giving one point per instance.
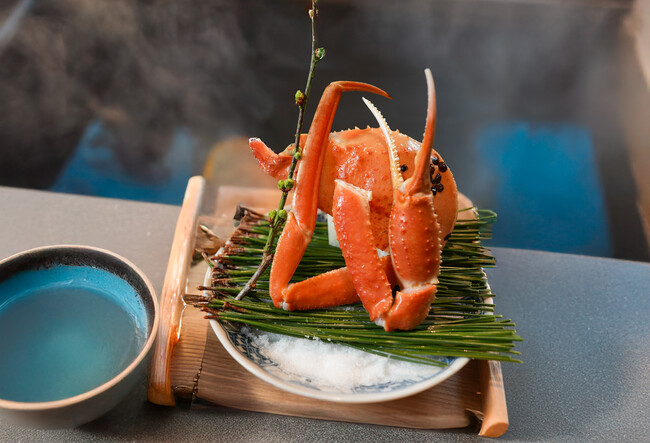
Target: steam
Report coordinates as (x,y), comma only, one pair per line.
(143,68)
(226,67)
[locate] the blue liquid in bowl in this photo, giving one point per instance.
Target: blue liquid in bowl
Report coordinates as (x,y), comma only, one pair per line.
(66,330)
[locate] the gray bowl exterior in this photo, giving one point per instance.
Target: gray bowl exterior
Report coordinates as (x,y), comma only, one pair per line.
(83,408)
(78,413)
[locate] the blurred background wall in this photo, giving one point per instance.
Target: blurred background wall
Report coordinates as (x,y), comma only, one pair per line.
(543,107)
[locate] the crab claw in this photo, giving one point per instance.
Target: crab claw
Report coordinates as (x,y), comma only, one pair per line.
(415,245)
(414,232)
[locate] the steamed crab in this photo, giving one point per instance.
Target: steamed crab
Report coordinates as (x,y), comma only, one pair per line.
(393,202)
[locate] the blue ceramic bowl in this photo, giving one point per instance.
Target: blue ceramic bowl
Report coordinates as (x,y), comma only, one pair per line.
(77,325)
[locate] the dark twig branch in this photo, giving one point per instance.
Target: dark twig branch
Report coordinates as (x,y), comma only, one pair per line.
(279,216)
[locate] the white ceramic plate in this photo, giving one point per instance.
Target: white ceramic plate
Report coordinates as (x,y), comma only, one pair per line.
(247,353)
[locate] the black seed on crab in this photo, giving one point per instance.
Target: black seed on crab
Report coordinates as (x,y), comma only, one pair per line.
(435,160)
(433,189)
(442,167)
(437,178)
(439,187)
(403,168)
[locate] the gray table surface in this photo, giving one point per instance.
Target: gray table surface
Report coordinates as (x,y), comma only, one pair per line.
(584,320)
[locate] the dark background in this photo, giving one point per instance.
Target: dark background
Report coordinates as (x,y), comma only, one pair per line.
(139,92)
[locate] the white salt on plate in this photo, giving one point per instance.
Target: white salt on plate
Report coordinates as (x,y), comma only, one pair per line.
(333,366)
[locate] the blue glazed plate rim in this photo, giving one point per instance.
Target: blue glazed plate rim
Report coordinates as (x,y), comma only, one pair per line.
(306,390)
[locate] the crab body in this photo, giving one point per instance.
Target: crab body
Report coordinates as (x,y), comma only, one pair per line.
(361,157)
(387,193)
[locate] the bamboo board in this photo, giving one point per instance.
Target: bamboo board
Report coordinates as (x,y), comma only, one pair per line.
(201,369)
(225,382)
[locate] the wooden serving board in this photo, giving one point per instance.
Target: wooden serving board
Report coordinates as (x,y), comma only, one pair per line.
(199,368)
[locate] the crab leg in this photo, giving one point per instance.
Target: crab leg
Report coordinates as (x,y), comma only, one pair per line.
(301,220)
(351,213)
(333,288)
(414,232)
(276,165)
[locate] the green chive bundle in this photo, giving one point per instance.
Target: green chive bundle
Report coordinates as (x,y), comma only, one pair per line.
(461,322)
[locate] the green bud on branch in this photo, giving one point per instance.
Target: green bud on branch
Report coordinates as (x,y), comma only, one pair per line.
(286,185)
(319,54)
(300,97)
(272,214)
(282,214)
(297,155)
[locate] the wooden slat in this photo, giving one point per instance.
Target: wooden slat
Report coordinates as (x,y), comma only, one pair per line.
(225,382)
(495,411)
(171,301)
(188,354)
